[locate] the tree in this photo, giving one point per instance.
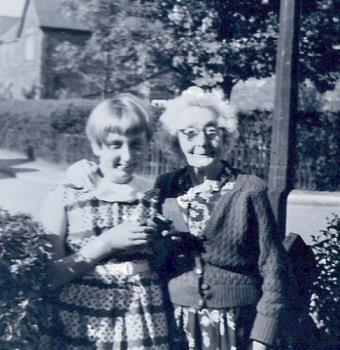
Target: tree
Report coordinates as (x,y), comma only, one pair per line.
(211,43)
(123,50)
(218,43)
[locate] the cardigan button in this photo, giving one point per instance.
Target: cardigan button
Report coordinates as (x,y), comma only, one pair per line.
(198,271)
(207,295)
(205,286)
(201,303)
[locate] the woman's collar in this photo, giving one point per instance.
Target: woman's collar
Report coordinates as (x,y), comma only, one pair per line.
(228,174)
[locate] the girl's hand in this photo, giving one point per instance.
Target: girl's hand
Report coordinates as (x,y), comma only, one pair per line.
(258,346)
(127,235)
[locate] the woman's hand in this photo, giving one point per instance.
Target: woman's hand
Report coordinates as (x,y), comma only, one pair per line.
(258,346)
(127,235)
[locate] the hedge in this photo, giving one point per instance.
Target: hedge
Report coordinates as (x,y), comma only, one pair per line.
(54,129)
(37,124)
(317,156)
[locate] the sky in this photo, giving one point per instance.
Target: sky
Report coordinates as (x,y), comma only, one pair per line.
(11,7)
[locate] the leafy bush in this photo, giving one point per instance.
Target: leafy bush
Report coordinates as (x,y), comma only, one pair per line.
(23,258)
(38,124)
(326,289)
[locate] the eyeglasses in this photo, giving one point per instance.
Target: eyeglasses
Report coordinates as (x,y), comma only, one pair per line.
(211,132)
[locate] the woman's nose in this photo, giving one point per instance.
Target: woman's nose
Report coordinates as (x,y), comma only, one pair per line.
(201,138)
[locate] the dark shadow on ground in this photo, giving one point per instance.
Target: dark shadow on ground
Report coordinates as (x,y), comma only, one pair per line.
(5,163)
(8,170)
(6,173)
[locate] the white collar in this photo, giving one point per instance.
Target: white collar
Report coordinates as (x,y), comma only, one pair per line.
(129,192)
(207,185)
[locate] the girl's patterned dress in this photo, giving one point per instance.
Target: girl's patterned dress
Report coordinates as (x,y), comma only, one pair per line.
(105,310)
(204,328)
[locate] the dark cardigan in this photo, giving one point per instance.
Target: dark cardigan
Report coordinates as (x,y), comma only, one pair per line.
(240,262)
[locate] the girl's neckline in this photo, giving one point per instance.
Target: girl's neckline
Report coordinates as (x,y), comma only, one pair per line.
(114,192)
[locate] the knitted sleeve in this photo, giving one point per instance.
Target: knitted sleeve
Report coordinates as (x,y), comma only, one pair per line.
(167,185)
(273,269)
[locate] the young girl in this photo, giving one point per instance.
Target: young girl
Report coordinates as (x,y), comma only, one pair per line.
(104,292)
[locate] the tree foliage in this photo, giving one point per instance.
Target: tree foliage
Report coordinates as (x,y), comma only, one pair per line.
(218,43)
(221,42)
(209,43)
(124,49)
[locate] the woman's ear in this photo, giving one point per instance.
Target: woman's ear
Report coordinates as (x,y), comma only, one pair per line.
(176,147)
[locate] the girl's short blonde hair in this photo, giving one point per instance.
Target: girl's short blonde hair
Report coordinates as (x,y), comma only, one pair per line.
(123,114)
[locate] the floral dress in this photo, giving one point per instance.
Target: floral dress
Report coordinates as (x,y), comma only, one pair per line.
(104,310)
(205,328)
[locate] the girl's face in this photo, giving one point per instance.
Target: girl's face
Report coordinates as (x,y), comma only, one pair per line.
(120,155)
(199,136)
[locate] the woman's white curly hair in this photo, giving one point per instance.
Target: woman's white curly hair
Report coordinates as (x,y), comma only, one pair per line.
(197,97)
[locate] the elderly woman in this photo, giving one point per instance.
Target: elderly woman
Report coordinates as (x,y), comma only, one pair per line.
(225,268)
(226,272)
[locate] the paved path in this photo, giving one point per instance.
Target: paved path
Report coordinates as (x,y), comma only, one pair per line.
(24,184)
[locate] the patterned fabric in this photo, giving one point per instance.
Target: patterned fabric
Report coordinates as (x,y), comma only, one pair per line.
(197,203)
(212,329)
(87,216)
(206,329)
(102,310)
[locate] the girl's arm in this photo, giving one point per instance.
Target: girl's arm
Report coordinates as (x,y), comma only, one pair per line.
(64,268)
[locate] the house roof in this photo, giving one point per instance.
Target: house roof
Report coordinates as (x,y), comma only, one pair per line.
(7,22)
(50,14)
(11,33)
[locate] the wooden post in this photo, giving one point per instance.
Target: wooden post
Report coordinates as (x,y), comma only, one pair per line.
(280,180)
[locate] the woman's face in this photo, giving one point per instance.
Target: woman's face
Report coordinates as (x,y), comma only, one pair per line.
(199,136)
(120,155)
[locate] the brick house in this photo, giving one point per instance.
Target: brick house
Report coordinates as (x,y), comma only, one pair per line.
(26,46)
